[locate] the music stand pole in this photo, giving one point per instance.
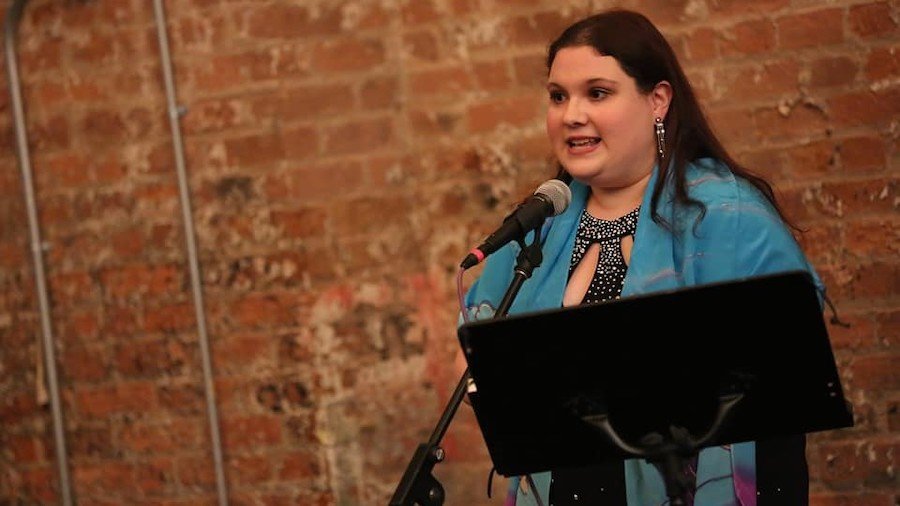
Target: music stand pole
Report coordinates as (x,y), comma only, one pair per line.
(418,487)
(670,453)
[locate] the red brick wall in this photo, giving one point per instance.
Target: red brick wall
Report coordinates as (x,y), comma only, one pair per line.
(343,157)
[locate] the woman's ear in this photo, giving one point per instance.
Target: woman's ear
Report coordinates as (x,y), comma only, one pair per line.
(660,98)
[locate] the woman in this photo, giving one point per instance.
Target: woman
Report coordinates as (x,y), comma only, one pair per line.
(657,204)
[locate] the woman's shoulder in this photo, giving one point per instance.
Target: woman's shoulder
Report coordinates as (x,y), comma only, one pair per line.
(731,203)
(709,177)
(712,182)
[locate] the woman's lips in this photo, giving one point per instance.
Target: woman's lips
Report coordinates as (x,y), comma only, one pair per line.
(582,145)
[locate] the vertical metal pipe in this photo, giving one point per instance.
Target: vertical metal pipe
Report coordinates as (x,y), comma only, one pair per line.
(13,17)
(184,194)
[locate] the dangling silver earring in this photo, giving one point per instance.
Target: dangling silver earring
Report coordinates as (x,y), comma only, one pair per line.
(660,137)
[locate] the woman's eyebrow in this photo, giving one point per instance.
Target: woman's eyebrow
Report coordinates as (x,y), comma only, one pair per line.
(593,80)
(602,80)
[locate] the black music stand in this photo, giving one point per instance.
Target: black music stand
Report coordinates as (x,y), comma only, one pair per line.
(658,376)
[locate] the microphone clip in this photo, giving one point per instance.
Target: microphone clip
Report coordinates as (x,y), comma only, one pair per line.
(530,256)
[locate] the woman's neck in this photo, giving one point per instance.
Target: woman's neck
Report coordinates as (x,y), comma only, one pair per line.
(610,203)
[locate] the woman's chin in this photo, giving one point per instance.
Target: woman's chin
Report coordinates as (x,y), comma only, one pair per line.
(583,170)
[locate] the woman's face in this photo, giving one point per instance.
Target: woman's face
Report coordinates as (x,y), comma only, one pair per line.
(601,126)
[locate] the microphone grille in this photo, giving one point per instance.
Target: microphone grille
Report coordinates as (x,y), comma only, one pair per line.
(557,192)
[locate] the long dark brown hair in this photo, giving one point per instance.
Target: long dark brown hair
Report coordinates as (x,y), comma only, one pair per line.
(646,56)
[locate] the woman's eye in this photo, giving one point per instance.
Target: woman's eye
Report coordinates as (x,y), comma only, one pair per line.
(557,97)
(598,93)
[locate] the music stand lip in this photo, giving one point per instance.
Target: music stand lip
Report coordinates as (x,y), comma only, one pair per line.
(670,357)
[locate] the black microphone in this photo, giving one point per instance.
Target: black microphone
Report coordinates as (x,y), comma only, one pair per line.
(550,199)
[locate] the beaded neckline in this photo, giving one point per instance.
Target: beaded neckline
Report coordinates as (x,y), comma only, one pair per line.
(599,228)
(609,273)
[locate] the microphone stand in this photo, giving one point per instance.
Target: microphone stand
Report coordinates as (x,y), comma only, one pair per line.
(418,486)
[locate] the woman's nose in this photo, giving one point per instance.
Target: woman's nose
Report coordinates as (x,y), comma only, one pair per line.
(574,113)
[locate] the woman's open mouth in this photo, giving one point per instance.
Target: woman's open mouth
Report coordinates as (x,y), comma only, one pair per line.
(578,145)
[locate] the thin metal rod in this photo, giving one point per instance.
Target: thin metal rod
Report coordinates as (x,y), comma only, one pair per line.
(189,236)
(13,17)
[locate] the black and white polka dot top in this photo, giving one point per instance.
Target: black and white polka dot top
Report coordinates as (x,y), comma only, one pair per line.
(609,276)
